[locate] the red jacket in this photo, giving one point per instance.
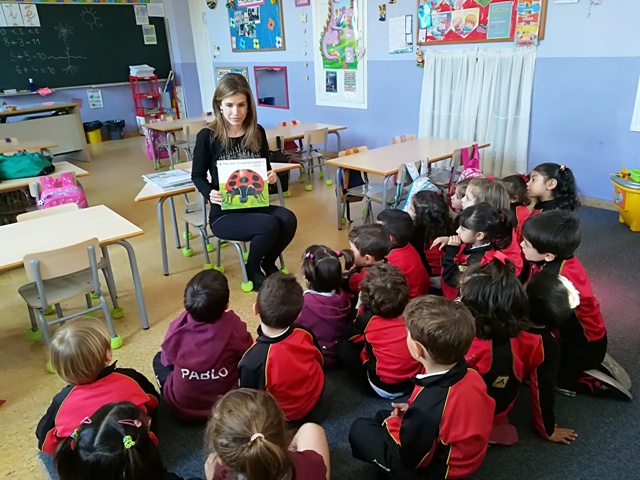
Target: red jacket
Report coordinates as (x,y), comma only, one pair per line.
(408,261)
(76,402)
(445,431)
(434,257)
(354,278)
(456,259)
(540,354)
(289,367)
(501,368)
(521,212)
(588,323)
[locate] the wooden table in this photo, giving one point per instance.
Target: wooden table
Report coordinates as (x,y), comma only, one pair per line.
(386,161)
(153,192)
(69,228)
(175,125)
(296,132)
(65,130)
(31,146)
(61,167)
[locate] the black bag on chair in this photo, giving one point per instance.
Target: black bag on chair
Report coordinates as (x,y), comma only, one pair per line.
(278,156)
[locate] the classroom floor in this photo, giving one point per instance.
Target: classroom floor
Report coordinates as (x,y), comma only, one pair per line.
(114,181)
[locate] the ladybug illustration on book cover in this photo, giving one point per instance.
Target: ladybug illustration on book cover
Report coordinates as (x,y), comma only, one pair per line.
(244,183)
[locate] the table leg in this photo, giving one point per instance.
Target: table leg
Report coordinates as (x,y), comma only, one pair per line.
(163,238)
(339,175)
(280,194)
(176,234)
(385,186)
(136,282)
(337,134)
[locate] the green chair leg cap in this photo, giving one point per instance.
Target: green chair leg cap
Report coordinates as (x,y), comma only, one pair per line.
(117,312)
(50,310)
(157,165)
(187,252)
(223,243)
(245,255)
(308,188)
(218,268)
(187,234)
(301,178)
(284,270)
(210,247)
(116,342)
(247,286)
(208,266)
(286,194)
(48,367)
(34,335)
(329,182)
(171,167)
(344,221)
(94,296)
(320,174)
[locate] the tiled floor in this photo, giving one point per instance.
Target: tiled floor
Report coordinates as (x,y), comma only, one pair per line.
(115,181)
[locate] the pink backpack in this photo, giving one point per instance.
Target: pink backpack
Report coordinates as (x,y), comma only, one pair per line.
(471,165)
(60,191)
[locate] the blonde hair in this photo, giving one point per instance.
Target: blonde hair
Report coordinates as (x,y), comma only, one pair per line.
(495,194)
(247,433)
(79,349)
(477,184)
(470,19)
(229,85)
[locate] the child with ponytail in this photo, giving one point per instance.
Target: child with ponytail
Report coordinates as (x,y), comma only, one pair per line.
(553,186)
(248,439)
(113,443)
(326,309)
(516,186)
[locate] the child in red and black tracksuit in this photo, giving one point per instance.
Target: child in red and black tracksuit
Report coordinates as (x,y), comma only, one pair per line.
(327,308)
(551,302)
(285,359)
(201,349)
(550,241)
(553,186)
(497,299)
(517,189)
(403,254)
(80,353)
(376,353)
(431,219)
(443,430)
(483,231)
(370,244)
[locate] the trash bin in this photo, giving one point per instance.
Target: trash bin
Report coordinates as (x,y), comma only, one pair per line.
(92,129)
(626,196)
(116,129)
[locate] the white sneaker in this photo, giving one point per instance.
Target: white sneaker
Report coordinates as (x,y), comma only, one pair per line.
(615,370)
(600,384)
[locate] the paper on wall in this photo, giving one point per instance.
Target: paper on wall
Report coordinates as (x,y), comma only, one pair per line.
(30,15)
(3,21)
(12,15)
(635,120)
(400,37)
(95,98)
(149,33)
(155,9)
(142,17)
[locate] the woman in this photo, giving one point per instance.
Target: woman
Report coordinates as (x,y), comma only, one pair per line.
(235,134)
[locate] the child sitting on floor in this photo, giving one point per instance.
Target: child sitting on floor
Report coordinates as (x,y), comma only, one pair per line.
(80,353)
(553,186)
(327,308)
(201,350)
(550,241)
(552,299)
(376,354)
(517,189)
(470,194)
(114,442)
(443,429)
(399,226)
(456,199)
(285,360)
(370,244)
(248,439)
(498,302)
(431,220)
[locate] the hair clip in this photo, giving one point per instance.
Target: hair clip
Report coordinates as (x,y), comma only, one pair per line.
(255,436)
(338,253)
(491,178)
(128,442)
(523,177)
(308,256)
(563,167)
(134,423)
(86,421)
(75,435)
(439,193)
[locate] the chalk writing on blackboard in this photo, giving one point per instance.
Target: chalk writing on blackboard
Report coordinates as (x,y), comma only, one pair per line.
(90,18)
(64,32)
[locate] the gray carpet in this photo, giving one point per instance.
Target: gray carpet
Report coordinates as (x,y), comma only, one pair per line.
(607,444)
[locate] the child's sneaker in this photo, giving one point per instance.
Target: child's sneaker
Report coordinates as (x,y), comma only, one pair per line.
(594,382)
(565,392)
(615,370)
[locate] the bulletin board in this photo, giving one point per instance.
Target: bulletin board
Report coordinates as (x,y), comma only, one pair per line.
(256,25)
(476,21)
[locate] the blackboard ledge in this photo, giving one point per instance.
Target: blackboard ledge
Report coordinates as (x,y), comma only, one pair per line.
(118,84)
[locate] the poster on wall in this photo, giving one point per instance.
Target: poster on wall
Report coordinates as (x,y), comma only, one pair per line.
(222,71)
(256,25)
(461,21)
(340,68)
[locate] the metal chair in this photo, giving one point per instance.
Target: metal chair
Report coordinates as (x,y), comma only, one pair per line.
(57,275)
(292,147)
(313,155)
(444,177)
(189,138)
(403,138)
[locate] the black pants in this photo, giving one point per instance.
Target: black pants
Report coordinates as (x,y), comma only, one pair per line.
(269,230)
(160,371)
(577,357)
(317,414)
(371,443)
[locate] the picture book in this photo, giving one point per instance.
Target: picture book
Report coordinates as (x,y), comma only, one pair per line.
(169,179)
(243,183)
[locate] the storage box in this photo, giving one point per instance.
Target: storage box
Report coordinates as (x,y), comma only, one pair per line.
(140,121)
(626,196)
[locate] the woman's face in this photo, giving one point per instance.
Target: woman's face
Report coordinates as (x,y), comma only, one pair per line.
(234,109)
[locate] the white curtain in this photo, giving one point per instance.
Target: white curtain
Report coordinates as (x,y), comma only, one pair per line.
(482,95)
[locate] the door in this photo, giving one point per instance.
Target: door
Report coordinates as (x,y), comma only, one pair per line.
(202,48)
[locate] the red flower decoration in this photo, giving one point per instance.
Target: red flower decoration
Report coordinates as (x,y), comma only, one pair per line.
(271,24)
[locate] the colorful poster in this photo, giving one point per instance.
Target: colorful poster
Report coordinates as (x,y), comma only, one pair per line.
(350,82)
(149,34)
(331,82)
(249,3)
(465,21)
(339,39)
(142,17)
(243,183)
(95,98)
(499,25)
(528,22)
(440,25)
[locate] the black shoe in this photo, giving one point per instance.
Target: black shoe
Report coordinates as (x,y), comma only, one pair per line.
(269,268)
(594,382)
(257,279)
(565,391)
(613,369)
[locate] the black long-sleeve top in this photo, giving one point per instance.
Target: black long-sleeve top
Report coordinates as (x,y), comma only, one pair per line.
(206,154)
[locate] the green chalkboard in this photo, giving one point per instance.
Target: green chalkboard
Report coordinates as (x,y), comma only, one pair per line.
(79,44)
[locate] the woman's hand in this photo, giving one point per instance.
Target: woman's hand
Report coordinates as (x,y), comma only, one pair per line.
(272,177)
(215,197)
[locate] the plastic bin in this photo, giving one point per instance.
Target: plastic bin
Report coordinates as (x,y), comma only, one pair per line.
(116,129)
(92,130)
(626,196)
